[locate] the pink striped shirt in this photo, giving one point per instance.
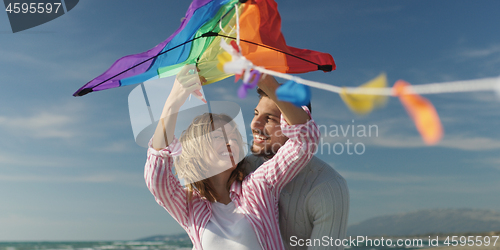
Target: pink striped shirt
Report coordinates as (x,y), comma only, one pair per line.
(257,196)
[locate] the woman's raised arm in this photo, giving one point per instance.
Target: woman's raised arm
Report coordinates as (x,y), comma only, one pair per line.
(160,180)
(187,82)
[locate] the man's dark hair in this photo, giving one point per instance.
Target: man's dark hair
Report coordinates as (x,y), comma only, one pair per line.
(262,94)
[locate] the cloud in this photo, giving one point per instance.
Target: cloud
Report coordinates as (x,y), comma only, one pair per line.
(400,132)
(484,60)
(373,185)
(364,176)
(12,159)
(471,144)
(481,53)
(117,147)
(68,121)
(455,142)
(403,140)
(227,91)
(41,125)
(110,177)
(52,64)
(330,10)
(492,163)
(380,10)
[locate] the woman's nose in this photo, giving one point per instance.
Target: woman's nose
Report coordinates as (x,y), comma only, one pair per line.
(232,143)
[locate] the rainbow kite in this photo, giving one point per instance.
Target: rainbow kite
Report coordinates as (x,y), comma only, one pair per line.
(198,41)
(228,37)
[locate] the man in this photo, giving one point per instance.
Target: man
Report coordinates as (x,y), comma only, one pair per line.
(314,206)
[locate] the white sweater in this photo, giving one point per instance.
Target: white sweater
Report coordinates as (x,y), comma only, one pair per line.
(313,205)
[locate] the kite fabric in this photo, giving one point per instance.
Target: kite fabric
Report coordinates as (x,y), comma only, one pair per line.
(197,40)
(135,64)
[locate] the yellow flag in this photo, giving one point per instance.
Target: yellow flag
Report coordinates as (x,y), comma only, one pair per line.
(362,104)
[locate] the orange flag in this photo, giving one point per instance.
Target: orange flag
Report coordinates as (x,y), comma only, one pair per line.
(422,112)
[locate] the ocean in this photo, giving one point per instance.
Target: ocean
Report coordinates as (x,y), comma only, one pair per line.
(180,242)
(358,243)
(96,245)
(143,245)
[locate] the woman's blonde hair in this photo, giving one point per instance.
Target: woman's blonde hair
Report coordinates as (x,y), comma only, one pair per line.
(193,163)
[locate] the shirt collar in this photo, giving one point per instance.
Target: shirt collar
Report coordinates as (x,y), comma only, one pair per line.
(235,189)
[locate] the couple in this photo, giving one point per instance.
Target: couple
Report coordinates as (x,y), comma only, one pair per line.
(236,210)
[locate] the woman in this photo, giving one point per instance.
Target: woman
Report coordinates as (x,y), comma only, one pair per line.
(228,210)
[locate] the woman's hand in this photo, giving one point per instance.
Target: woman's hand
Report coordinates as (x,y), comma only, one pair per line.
(187,82)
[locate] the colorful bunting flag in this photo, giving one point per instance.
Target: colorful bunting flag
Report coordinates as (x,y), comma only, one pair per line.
(298,94)
(422,112)
(362,104)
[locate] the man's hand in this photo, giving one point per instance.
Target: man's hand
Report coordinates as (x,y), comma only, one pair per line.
(291,113)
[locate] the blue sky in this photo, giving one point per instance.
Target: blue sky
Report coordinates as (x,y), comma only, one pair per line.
(70,169)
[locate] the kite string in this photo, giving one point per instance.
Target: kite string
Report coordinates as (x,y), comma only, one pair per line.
(458,86)
(221,18)
(236,10)
(220,26)
(314,84)
(485,84)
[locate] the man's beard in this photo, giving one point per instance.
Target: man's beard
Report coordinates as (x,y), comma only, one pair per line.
(268,151)
(264,152)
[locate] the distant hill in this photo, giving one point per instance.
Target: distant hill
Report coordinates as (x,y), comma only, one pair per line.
(429,221)
(422,222)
